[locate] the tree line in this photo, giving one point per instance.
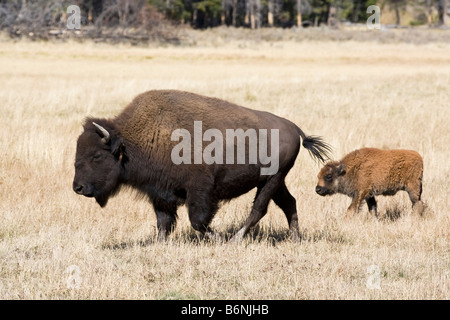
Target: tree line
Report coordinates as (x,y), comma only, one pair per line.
(262,13)
(201,14)
(282,13)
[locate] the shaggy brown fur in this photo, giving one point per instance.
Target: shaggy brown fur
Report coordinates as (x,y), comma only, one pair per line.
(134,149)
(368,172)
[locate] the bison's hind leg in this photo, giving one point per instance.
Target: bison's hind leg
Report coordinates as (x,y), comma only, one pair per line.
(415,194)
(264,193)
(418,208)
(287,203)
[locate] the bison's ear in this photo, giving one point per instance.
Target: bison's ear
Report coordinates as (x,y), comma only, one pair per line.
(113,139)
(117,146)
(341,169)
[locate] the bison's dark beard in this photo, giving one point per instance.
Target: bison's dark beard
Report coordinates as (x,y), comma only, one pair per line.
(102,200)
(103,197)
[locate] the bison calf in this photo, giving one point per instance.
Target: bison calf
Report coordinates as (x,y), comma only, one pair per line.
(368,172)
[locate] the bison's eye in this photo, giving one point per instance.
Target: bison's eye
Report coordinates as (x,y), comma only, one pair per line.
(328,178)
(97,157)
(78,164)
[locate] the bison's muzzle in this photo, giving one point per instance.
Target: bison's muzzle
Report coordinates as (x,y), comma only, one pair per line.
(323,191)
(83,189)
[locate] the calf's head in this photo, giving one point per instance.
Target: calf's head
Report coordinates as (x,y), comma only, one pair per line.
(98,161)
(329,178)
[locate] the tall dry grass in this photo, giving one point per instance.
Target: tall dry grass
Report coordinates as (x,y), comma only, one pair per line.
(57,245)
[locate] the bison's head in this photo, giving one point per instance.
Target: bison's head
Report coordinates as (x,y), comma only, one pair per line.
(98,161)
(329,176)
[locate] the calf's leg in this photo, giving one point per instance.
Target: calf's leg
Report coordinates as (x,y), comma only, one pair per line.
(356,203)
(372,204)
(415,194)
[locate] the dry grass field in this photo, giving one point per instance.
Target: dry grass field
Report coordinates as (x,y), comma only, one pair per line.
(55,244)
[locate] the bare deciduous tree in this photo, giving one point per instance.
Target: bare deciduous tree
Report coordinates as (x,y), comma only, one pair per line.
(299,13)
(442,12)
(113,20)
(270,13)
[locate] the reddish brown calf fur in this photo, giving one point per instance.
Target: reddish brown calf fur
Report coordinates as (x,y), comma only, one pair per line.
(368,172)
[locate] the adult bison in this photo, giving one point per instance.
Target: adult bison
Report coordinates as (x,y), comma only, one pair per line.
(141,148)
(368,172)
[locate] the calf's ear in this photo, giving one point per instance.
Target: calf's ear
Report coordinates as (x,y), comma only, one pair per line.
(341,169)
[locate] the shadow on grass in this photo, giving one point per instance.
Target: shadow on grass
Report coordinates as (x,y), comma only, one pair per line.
(330,236)
(392,214)
(396,211)
(115,245)
(258,235)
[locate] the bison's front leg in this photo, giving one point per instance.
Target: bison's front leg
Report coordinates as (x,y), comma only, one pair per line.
(202,207)
(372,205)
(166,216)
(352,209)
(354,206)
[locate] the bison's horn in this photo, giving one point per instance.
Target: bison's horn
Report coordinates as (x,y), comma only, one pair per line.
(103,131)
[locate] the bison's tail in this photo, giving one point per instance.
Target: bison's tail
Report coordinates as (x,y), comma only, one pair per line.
(317,148)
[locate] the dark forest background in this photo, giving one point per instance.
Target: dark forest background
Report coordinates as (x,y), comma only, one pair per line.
(39,17)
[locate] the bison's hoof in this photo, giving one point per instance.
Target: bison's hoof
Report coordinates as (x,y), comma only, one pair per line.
(294,236)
